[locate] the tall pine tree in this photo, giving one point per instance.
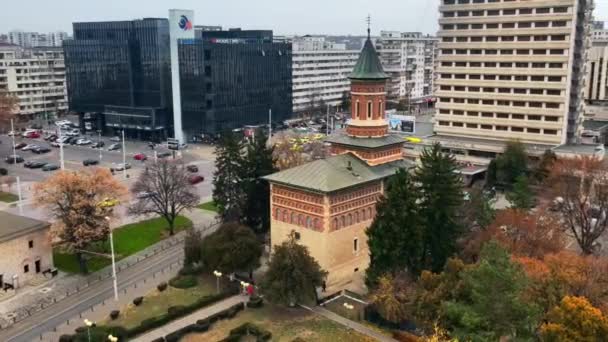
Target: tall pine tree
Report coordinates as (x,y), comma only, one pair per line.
(228,193)
(395,238)
(259,162)
(440,189)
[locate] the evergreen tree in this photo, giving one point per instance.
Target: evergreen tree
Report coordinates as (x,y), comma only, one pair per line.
(293,275)
(395,237)
(228,192)
(542,170)
(440,188)
(478,211)
(192,247)
(521,196)
(512,163)
(345,102)
(231,248)
(259,162)
(491,177)
(494,306)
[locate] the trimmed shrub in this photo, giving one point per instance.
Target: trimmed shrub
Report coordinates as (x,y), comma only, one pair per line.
(404,336)
(3,171)
(184,282)
(255,302)
(248,329)
(160,339)
(66,338)
(298,339)
(161,287)
(191,270)
(137,301)
(80,330)
(114,314)
(175,311)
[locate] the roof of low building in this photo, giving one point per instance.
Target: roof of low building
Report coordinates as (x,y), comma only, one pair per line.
(335,173)
(595,125)
(368,65)
(14,226)
(344,139)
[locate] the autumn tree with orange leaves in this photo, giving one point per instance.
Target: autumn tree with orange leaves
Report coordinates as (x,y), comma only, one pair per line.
(574,320)
(8,107)
(519,232)
(581,187)
(77,202)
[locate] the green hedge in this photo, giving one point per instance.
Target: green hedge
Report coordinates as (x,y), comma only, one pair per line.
(248,328)
(255,302)
(202,325)
(184,281)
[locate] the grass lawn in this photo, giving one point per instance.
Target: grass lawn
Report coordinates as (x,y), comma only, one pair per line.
(210,206)
(156,303)
(8,197)
(285,325)
(128,240)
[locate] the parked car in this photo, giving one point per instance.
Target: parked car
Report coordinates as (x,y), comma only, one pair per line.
(88,162)
(164,155)
(114,147)
(108,202)
(13,159)
(73,140)
(144,194)
(83,142)
(32,135)
(11,133)
(50,167)
(192,168)
(63,140)
(140,156)
(29,147)
(120,167)
(41,149)
(51,137)
(20,145)
(98,144)
(55,144)
(196,179)
(34,164)
(115,139)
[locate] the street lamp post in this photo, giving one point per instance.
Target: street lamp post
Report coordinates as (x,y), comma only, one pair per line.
(89,324)
(14,150)
(124,156)
(217,274)
(61,150)
(112,338)
(113,261)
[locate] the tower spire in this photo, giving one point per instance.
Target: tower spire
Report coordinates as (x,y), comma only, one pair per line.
(369,24)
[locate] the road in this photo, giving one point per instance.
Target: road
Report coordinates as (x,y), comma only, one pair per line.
(46,320)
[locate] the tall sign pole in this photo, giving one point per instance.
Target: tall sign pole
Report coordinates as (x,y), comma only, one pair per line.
(181,26)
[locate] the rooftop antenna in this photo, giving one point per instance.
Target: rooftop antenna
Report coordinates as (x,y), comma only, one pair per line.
(369,24)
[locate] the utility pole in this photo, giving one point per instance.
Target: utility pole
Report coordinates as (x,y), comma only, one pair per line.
(61,150)
(327,121)
(269,126)
(14,150)
(20,197)
(124,156)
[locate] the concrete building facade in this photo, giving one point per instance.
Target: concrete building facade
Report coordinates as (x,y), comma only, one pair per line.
(320,72)
(36,39)
(26,250)
(512,70)
(597,65)
(409,59)
(36,77)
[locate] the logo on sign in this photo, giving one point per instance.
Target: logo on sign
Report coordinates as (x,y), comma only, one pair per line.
(184,23)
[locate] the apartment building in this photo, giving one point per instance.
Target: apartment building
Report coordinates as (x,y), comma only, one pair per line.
(408,58)
(37,77)
(36,39)
(320,72)
(511,69)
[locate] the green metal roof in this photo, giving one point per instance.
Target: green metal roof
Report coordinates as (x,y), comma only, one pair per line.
(343,139)
(335,173)
(368,65)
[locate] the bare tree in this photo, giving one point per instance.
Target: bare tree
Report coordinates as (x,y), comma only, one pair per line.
(581,189)
(8,108)
(163,189)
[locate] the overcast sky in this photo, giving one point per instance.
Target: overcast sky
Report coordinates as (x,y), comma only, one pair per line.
(282,16)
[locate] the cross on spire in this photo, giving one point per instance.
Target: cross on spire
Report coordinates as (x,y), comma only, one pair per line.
(369,24)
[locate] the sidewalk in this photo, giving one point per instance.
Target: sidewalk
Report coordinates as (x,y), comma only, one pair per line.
(350,324)
(191,319)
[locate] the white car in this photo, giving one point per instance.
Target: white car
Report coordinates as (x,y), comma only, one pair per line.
(71,133)
(63,139)
(63,123)
(120,167)
(29,147)
(116,139)
(83,142)
(27,131)
(11,133)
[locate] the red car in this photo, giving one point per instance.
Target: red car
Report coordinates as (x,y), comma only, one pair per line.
(32,135)
(196,179)
(140,156)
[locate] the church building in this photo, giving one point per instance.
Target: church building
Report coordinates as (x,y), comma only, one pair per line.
(329,203)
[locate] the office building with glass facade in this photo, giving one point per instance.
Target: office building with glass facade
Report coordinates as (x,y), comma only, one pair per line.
(118,76)
(230,79)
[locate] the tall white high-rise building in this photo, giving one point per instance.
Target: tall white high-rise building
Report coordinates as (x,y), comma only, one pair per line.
(320,72)
(36,76)
(35,39)
(511,70)
(409,59)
